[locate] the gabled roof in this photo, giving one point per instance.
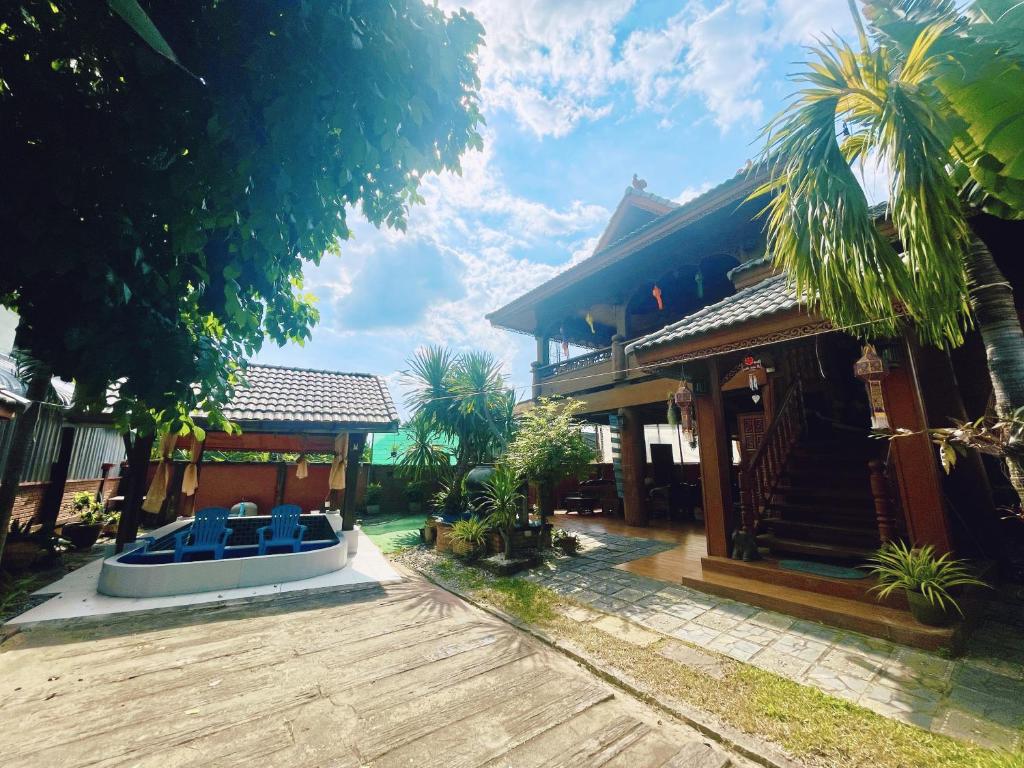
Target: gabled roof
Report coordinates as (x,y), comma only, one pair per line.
(729,193)
(636,208)
(303,396)
(768,297)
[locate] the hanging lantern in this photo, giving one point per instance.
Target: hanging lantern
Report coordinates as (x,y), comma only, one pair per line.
(871,369)
(302,467)
(699,280)
(656,293)
(590,321)
(565,343)
(684,399)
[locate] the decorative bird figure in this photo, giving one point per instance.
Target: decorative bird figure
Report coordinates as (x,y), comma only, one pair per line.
(638,183)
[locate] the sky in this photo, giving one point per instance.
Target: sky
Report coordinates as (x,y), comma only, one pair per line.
(578,96)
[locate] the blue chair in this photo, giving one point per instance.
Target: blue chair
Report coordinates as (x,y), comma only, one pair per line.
(284,529)
(208,533)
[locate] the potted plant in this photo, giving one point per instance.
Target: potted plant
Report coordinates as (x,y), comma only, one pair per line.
(91,519)
(569,543)
(414,494)
(468,537)
(926,579)
(374,491)
(502,502)
(22,549)
(110,526)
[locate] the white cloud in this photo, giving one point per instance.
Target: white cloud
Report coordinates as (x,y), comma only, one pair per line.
(690,193)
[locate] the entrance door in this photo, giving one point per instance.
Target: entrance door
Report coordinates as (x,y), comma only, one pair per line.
(751,430)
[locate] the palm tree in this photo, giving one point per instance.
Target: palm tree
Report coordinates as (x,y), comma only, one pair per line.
(935,94)
(463,397)
(424,457)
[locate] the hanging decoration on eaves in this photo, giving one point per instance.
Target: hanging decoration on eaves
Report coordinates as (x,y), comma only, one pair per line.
(565,343)
(590,321)
(871,369)
(699,280)
(656,293)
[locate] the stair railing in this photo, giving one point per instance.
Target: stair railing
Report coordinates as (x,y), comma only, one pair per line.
(760,474)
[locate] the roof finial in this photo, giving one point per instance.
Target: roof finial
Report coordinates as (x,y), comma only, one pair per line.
(638,183)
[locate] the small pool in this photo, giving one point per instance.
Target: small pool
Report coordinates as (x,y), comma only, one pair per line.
(154,573)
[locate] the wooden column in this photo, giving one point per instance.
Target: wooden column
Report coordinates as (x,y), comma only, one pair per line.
(355,454)
(715,464)
(282,481)
(49,509)
(633,458)
(618,357)
(138,466)
(914,457)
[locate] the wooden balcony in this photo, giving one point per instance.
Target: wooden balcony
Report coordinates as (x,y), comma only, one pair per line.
(577,373)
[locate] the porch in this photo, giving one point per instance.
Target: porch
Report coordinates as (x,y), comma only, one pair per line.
(842,603)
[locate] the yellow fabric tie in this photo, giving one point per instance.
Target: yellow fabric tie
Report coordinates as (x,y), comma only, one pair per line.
(336,480)
(162,477)
(190,481)
(302,467)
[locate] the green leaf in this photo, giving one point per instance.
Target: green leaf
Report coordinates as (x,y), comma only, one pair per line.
(136,18)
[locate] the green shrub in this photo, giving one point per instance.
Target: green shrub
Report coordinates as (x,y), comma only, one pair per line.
(899,566)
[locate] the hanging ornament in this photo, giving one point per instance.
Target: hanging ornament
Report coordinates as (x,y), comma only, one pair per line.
(753,368)
(871,369)
(590,321)
(671,418)
(302,467)
(684,400)
(656,293)
(565,344)
(699,280)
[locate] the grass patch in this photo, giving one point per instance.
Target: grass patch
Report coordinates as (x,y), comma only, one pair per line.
(394,533)
(816,728)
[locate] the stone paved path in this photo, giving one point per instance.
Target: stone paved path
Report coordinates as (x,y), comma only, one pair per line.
(979,697)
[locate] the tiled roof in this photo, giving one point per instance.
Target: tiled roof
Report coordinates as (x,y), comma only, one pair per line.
(302,395)
(664,201)
(766,298)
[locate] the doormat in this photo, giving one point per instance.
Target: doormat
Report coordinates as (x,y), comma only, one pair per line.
(822,569)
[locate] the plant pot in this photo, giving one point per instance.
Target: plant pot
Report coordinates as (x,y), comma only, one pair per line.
(429,533)
(110,529)
(928,614)
(81,535)
(20,555)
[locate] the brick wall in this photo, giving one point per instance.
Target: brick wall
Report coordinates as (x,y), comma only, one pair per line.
(30,496)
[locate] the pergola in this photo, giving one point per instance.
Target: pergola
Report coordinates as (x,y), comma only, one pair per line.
(283,410)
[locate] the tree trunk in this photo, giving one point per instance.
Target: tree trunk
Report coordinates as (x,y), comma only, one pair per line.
(999,325)
(21,442)
(139,455)
(509,533)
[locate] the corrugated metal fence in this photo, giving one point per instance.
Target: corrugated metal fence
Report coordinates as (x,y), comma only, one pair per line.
(93,447)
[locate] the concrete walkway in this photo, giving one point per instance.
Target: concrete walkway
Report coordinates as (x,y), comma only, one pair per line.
(979,697)
(399,675)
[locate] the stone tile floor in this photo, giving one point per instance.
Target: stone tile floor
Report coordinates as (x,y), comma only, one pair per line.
(978,697)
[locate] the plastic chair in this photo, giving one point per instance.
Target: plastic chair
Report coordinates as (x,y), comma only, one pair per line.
(284,529)
(208,533)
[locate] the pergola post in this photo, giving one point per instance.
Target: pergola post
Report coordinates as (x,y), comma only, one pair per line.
(138,465)
(49,510)
(356,442)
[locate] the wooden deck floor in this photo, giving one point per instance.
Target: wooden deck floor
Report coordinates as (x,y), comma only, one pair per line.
(403,675)
(671,565)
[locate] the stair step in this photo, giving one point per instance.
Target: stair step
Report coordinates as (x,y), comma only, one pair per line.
(833,552)
(826,512)
(825,532)
(828,497)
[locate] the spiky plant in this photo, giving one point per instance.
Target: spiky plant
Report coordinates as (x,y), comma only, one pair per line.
(503,502)
(897,565)
(470,535)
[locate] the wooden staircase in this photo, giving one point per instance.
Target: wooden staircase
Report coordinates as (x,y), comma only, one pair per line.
(821,506)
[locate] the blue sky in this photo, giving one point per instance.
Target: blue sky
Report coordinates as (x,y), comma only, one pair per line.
(578,96)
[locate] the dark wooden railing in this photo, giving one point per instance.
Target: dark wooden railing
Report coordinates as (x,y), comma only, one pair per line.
(888,515)
(759,476)
(574,363)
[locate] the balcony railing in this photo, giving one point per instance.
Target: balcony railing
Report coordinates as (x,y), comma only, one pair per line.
(545,372)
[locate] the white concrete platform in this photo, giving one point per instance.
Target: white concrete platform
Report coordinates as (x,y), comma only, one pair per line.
(76,597)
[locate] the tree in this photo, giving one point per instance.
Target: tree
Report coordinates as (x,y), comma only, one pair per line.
(424,458)
(156,223)
(935,95)
(464,397)
(549,446)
